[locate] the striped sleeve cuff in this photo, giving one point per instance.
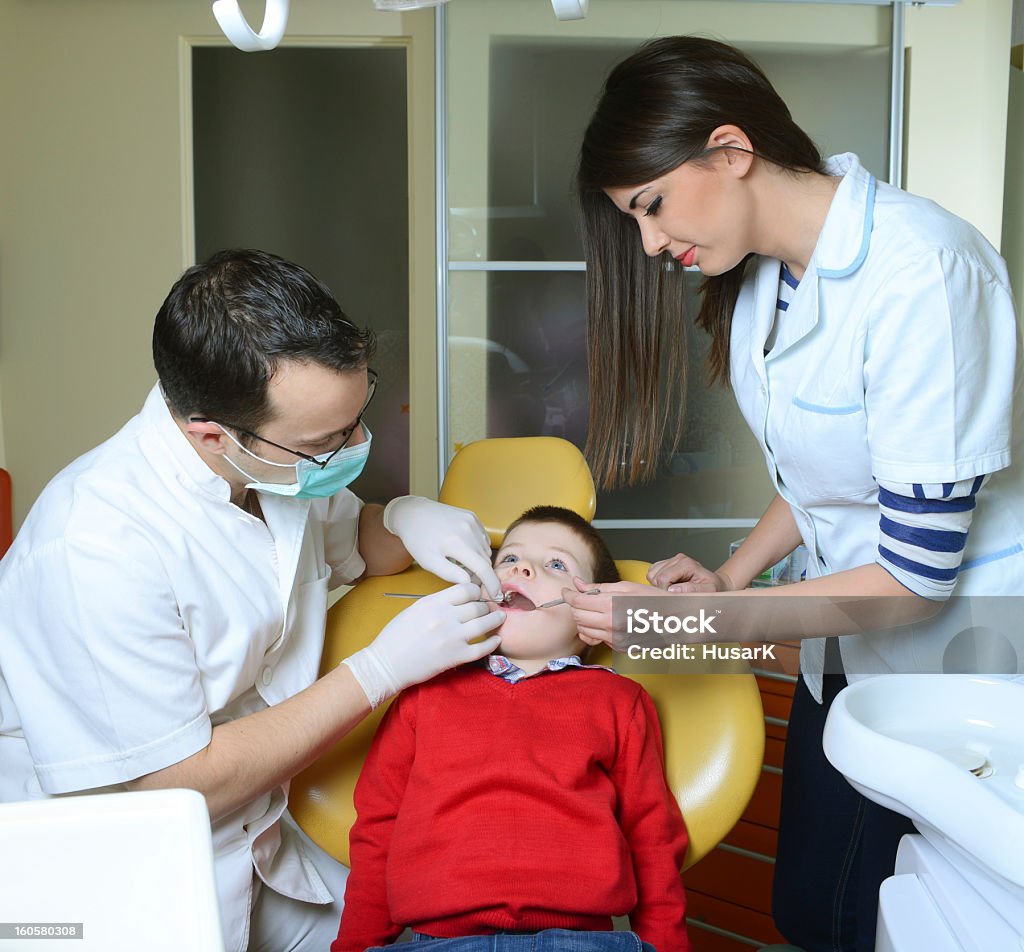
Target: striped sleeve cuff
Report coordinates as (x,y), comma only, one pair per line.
(923,532)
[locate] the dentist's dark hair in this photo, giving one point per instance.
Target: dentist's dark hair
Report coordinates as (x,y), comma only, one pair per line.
(658,110)
(228,323)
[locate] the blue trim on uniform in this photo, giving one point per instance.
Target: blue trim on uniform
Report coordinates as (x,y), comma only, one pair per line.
(787,276)
(865,240)
(919,491)
(782,305)
(905,504)
(934,540)
(947,488)
(977,484)
(917,568)
(992,557)
(831,411)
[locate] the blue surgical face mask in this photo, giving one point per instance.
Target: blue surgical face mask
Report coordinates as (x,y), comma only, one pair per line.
(311,481)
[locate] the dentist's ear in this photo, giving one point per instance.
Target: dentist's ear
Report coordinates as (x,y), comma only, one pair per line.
(208,437)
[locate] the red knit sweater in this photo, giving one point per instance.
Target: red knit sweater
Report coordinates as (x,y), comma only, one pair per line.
(486,806)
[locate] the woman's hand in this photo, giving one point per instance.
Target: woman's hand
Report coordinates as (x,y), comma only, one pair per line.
(593,613)
(682,574)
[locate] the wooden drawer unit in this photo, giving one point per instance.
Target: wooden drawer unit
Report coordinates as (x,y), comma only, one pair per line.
(739,878)
(729,891)
(714,923)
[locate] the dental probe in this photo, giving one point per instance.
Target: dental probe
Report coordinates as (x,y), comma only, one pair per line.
(561,601)
(506,597)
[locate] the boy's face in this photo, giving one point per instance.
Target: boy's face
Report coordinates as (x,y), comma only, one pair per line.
(536,561)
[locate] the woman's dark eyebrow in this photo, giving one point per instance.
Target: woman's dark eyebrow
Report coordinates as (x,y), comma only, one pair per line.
(632,201)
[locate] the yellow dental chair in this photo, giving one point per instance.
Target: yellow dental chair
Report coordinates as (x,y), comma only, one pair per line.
(713,724)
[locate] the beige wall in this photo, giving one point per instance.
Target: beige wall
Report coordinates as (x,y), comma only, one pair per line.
(3,458)
(956,108)
(1013,204)
(94,226)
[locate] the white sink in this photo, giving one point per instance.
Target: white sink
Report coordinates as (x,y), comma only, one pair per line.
(946,750)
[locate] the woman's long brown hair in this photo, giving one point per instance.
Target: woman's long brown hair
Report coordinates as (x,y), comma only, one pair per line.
(657,111)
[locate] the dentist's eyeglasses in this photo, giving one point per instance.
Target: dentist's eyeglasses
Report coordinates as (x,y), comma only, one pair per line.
(319,461)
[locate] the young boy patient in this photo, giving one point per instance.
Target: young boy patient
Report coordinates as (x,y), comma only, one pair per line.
(524,793)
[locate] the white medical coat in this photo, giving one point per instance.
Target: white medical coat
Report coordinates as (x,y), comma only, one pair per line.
(897,360)
(140,609)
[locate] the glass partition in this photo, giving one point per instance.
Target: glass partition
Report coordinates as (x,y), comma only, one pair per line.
(520,90)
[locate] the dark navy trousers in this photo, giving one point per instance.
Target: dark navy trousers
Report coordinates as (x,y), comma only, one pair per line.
(835,846)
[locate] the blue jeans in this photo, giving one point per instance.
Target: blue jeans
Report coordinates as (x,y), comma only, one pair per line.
(835,846)
(548,940)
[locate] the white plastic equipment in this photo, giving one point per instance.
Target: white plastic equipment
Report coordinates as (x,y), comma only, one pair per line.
(935,902)
(947,751)
(132,870)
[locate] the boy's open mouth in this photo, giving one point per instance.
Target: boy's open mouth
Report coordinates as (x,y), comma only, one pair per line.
(517,602)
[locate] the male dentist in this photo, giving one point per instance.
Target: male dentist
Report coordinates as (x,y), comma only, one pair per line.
(164,603)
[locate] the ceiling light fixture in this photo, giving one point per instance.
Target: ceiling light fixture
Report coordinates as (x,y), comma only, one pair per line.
(569,9)
(399,5)
(275,18)
(236,28)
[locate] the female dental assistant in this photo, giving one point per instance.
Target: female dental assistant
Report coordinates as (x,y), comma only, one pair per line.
(871,341)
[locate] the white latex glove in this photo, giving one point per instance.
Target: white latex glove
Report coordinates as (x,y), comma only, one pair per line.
(424,640)
(439,536)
